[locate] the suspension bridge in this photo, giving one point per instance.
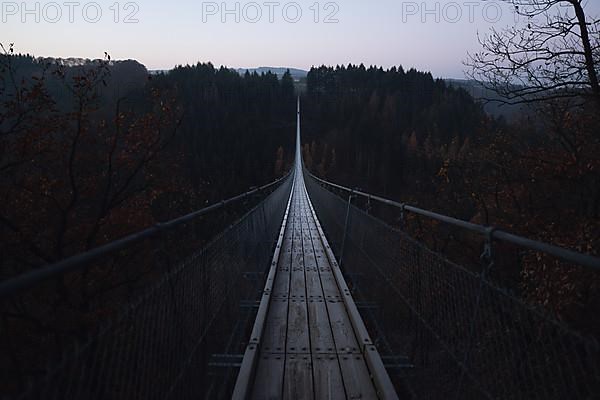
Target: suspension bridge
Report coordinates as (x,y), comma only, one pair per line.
(307,296)
(308,339)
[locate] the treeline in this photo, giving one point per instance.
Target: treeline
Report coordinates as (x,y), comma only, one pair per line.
(365,125)
(233,124)
(406,136)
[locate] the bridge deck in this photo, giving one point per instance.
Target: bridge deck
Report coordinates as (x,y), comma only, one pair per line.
(309,341)
(309,346)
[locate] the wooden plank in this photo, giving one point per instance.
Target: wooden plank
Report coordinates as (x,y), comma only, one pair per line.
(297,283)
(274,333)
(297,340)
(268,384)
(298,377)
(329,384)
(282,278)
(313,283)
(321,336)
(328,284)
(281,288)
(313,280)
(357,381)
(297,230)
(343,332)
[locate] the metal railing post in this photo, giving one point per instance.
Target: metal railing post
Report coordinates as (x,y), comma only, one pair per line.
(402,216)
(345,235)
(487,259)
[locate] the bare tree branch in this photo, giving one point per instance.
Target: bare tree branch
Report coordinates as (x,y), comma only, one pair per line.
(554,55)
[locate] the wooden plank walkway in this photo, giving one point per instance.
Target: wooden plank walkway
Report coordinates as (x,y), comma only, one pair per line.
(309,341)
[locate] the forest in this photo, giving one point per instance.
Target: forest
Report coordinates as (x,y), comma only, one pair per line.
(84,146)
(406,136)
(94,150)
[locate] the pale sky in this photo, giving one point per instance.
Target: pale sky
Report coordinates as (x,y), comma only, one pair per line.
(382,32)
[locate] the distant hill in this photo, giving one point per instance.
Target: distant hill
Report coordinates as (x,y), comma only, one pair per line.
(125,78)
(480,93)
(297,74)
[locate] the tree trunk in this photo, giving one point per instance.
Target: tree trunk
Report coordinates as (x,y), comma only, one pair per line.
(587,48)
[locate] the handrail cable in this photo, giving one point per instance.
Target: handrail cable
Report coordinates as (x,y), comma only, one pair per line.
(24,281)
(583,259)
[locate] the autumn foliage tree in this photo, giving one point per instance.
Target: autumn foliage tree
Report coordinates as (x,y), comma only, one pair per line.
(549,185)
(72,179)
(81,164)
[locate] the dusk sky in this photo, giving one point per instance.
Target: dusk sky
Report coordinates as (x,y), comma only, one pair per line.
(385,32)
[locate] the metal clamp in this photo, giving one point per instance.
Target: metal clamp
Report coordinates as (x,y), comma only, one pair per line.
(487,256)
(402,220)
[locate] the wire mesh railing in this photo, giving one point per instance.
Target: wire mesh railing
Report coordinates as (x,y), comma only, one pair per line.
(447,331)
(152,319)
